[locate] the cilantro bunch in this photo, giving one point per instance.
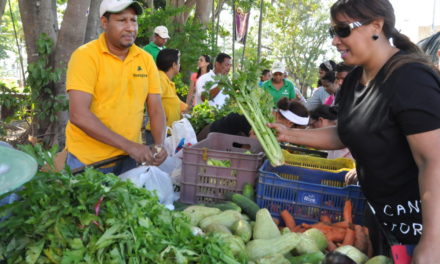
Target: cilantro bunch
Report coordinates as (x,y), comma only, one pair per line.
(96,218)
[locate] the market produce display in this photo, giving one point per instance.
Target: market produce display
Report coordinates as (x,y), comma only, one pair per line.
(253,234)
(96,218)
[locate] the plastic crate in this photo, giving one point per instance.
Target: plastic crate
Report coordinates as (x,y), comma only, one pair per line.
(307,194)
(329,165)
(202,183)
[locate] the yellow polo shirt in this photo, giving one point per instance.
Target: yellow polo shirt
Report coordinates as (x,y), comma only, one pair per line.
(119,91)
(172,105)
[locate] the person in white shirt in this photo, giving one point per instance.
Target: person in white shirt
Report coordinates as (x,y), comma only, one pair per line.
(216,96)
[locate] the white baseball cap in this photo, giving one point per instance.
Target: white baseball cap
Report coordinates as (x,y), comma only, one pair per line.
(116,6)
(162,31)
(278,66)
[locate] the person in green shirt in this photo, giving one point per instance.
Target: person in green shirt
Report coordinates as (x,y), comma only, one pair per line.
(160,37)
(279,87)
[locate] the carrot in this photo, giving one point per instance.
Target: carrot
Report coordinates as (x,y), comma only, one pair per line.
(370,245)
(342,224)
(348,210)
(324,228)
(325,219)
(349,237)
(288,219)
(360,241)
(298,229)
(336,234)
(330,245)
(276,221)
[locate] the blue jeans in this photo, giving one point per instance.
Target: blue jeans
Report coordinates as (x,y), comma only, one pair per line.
(120,167)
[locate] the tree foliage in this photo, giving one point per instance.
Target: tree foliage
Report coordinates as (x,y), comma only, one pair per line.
(192,39)
(298,33)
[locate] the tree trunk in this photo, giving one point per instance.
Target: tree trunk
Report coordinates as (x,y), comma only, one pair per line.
(219,8)
(203,11)
(182,17)
(2,8)
(37,17)
(93,22)
(69,38)
(150,4)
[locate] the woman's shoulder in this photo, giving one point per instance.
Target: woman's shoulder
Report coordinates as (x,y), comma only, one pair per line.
(194,76)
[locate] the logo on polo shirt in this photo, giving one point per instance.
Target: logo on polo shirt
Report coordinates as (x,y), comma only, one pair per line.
(140,75)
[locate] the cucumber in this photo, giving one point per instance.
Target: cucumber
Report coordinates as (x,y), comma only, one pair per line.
(225,206)
(248,191)
(246,204)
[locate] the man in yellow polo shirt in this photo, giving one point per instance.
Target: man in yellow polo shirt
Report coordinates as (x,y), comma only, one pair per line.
(168,63)
(108,81)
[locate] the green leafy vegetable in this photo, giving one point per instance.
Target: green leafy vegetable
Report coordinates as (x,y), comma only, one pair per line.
(96,218)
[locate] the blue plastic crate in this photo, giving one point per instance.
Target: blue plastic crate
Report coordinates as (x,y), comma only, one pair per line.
(307,194)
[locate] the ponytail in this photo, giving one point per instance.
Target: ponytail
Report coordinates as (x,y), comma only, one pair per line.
(402,42)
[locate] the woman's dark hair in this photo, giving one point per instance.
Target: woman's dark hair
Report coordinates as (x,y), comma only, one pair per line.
(166,58)
(324,111)
(329,76)
(328,66)
(369,10)
(207,59)
(264,72)
(293,106)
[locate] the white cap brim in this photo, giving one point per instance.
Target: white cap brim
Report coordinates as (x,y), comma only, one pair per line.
(122,6)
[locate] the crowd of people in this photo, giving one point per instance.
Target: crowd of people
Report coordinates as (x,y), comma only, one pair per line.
(378,106)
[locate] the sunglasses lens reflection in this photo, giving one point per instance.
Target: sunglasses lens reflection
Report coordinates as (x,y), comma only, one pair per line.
(341,31)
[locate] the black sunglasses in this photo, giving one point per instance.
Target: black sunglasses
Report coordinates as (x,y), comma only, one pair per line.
(343,30)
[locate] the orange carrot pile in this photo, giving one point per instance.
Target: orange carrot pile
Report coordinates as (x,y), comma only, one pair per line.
(337,234)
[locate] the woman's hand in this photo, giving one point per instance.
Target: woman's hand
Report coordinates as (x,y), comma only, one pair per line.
(282,132)
(351,177)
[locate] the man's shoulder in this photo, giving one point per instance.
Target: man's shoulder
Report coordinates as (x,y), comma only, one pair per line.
(206,77)
(91,47)
(150,46)
(267,84)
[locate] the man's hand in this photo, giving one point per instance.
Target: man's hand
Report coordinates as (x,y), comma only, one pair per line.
(140,153)
(159,155)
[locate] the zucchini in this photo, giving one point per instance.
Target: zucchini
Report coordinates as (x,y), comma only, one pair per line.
(248,191)
(247,205)
(260,248)
(242,229)
(265,228)
(225,206)
(226,218)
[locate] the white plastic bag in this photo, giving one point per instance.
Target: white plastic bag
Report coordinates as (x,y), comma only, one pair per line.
(182,134)
(152,179)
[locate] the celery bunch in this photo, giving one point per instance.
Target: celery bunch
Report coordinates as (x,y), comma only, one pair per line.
(256,105)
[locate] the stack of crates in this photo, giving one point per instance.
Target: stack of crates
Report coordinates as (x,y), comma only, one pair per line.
(309,187)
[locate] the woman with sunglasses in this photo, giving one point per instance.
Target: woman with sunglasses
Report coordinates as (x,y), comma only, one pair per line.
(389,118)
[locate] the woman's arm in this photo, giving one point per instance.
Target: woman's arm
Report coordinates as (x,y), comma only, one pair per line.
(425,148)
(322,138)
(191,92)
